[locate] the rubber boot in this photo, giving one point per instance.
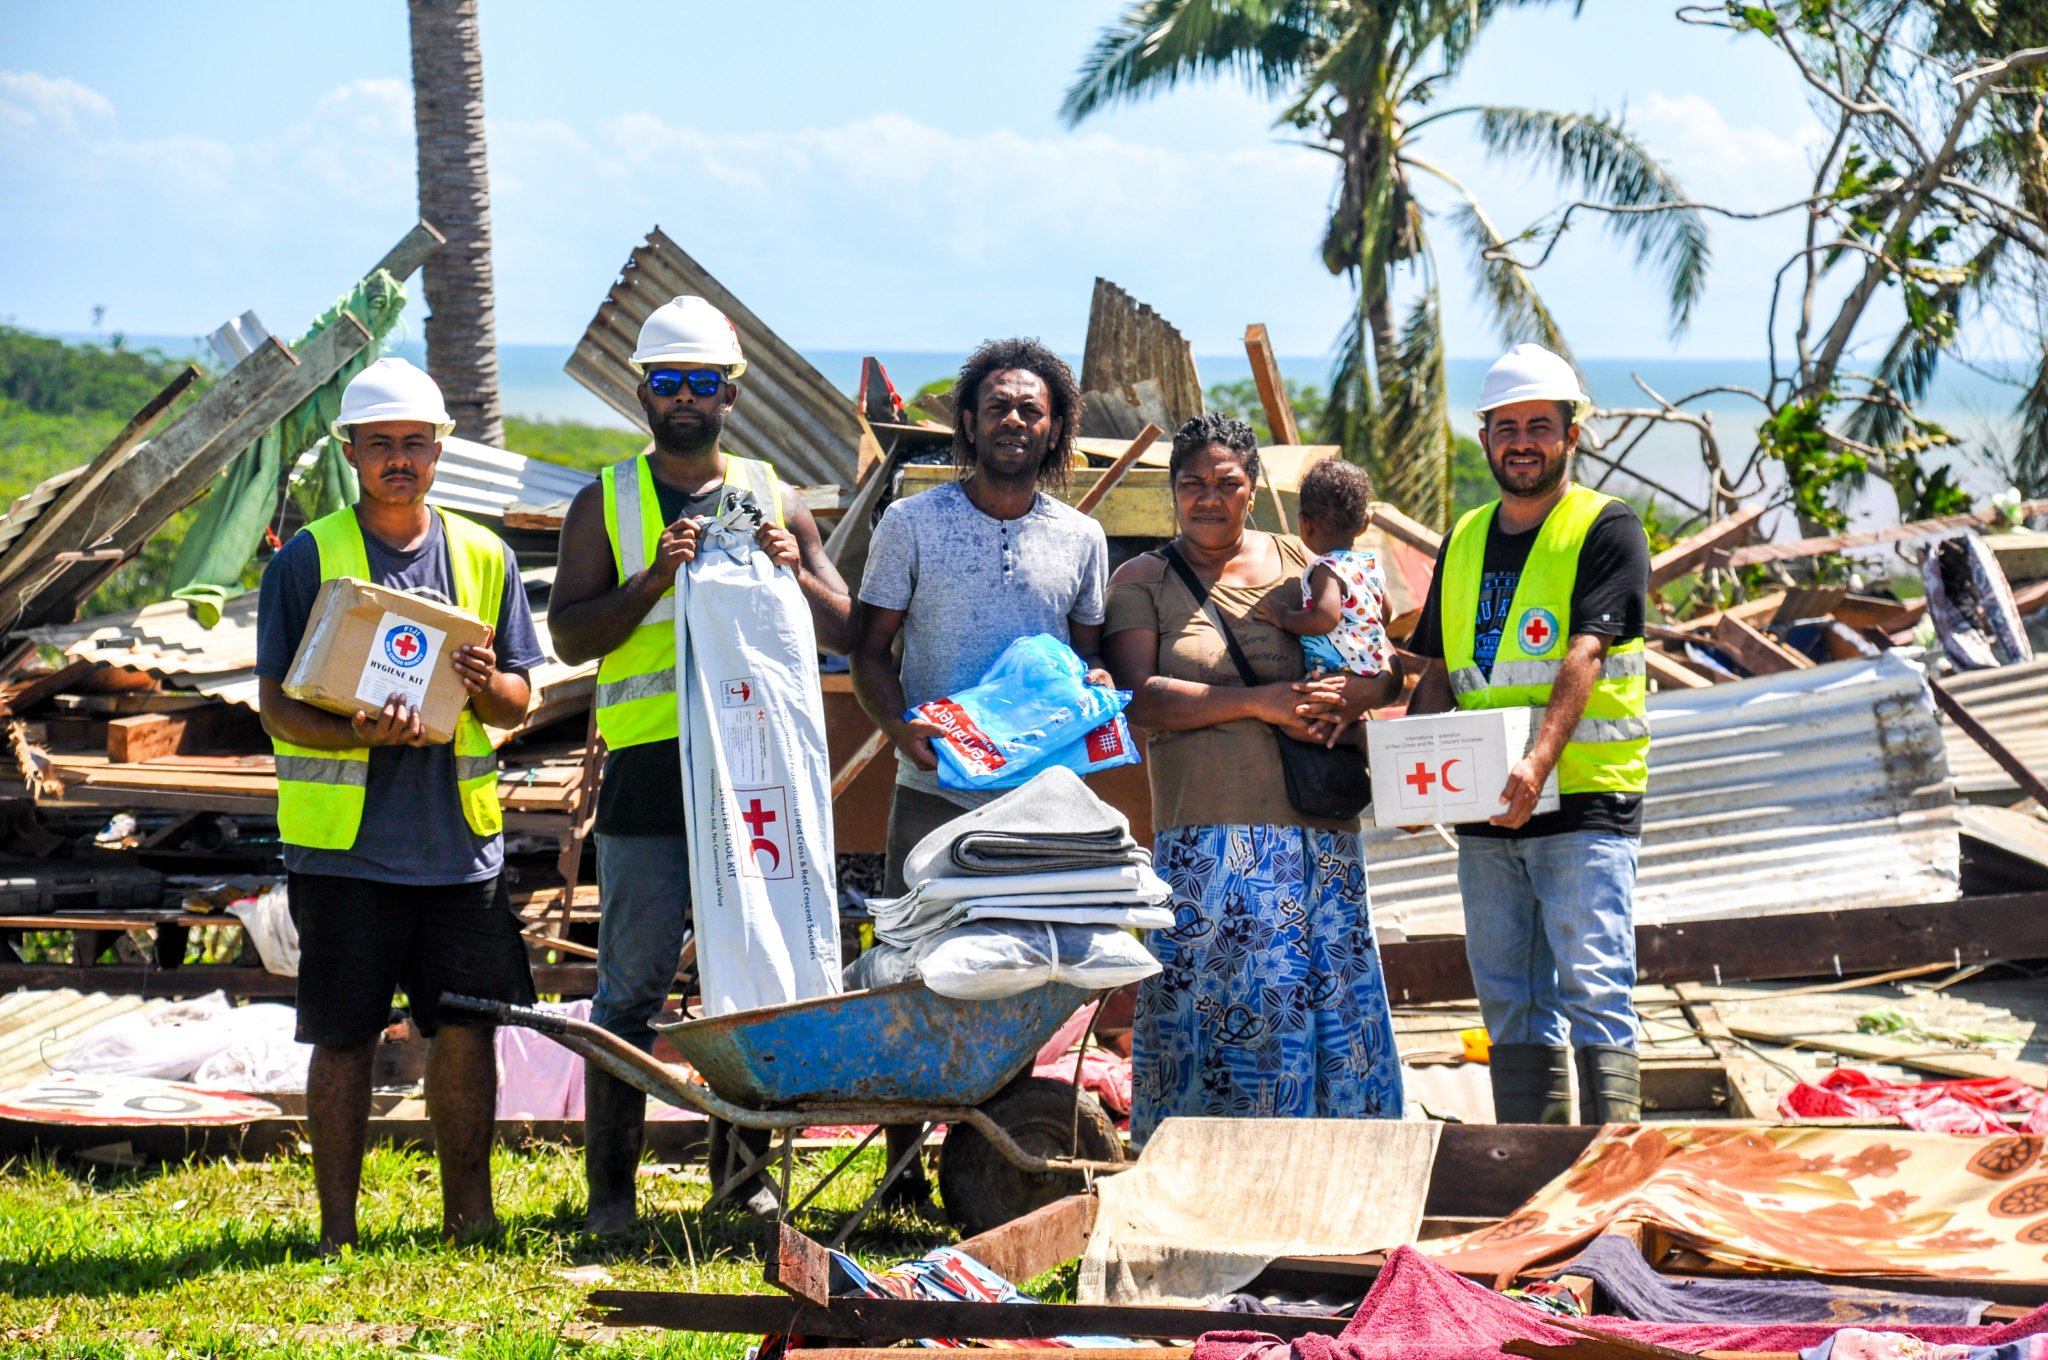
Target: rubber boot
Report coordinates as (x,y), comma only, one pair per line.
(1531,1084)
(913,1189)
(727,1149)
(614,1126)
(1610,1085)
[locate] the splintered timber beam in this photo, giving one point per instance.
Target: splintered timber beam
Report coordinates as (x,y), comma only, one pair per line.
(1125,461)
(1272,387)
(1695,550)
(1770,944)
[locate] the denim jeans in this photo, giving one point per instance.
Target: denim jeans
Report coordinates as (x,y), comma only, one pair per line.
(1550,934)
(644,885)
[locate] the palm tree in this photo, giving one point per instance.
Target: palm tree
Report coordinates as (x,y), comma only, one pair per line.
(455,195)
(1359,75)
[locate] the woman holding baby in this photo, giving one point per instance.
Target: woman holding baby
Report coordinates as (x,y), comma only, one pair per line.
(1271,1000)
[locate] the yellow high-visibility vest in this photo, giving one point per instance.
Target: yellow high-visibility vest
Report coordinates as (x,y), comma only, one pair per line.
(320,792)
(636,682)
(1609,749)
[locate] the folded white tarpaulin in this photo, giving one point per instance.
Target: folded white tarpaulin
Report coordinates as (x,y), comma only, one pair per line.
(756,782)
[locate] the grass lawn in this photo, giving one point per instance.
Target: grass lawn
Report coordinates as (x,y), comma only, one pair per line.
(213,1259)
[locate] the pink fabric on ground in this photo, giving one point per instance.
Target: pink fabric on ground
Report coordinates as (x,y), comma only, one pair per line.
(537,1077)
(1417,1310)
(1973,1106)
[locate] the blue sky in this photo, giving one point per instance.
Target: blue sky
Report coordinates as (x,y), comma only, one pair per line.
(889,176)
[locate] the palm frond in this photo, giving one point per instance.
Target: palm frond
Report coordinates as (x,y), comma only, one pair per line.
(1350,418)
(1606,162)
(1907,370)
(1519,311)
(1456,24)
(1155,44)
(1414,453)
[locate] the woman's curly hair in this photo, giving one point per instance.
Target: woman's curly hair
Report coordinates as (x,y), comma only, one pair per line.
(995,356)
(1215,427)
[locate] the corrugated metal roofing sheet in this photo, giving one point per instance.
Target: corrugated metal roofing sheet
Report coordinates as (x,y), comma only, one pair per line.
(1812,790)
(788,413)
(2013,702)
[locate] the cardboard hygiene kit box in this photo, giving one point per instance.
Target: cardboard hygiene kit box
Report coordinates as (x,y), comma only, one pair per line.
(367,642)
(1449,767)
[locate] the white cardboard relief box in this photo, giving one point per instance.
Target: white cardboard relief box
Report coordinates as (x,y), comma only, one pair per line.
(1449,767)
(366,642)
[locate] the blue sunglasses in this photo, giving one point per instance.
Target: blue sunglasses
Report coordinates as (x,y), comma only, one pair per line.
(704,382)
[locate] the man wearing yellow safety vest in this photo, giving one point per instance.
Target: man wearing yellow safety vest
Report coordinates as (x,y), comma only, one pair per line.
(394,846)
(1538,601)
(623,541)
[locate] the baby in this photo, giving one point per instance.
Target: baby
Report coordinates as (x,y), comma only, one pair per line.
(1342,618)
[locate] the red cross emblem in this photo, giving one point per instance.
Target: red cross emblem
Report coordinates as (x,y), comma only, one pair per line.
(757,817)
(404,644)
(1423,778)
(1539,630)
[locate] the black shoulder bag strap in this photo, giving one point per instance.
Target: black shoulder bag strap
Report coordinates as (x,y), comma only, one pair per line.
(1207,605)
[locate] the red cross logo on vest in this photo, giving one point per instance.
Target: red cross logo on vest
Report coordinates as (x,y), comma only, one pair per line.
(1538,631)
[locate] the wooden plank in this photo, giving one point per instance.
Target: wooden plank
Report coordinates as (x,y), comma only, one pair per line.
(152,736)
(1759,655)
(2031,784)
(1750,1093)
(1125,461)
(865,1319)
(1391,521)
(857,763)
(1272,387)
(1814,547)
(800,1267)
(1671,673)
(1691,552)
(1884,1048)
(1044,1239)
(1762,607)
(1773,944)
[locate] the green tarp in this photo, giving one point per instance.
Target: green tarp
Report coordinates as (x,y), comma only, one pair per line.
(244,500)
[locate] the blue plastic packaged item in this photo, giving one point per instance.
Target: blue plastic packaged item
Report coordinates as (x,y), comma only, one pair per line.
(1101,748)
(1033,704)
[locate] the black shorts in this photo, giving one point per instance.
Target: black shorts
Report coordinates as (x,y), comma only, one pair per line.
(360,941)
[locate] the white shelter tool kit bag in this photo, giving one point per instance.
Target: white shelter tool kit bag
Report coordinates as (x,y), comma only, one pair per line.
(756,775)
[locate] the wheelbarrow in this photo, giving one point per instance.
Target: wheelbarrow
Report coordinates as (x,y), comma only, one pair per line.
(897,1055)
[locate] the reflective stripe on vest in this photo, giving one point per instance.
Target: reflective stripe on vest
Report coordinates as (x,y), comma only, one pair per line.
(320,793)
(636,681)
(1608,750)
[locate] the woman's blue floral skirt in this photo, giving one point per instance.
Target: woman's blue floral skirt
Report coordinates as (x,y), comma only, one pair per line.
(1270,1001)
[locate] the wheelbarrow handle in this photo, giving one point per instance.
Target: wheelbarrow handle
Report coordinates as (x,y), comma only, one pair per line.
(505,1013)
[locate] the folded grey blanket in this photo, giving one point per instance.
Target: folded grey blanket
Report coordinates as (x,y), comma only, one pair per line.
(1050,824)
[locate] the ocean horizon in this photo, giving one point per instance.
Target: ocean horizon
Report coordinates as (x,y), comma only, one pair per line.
(1974,406)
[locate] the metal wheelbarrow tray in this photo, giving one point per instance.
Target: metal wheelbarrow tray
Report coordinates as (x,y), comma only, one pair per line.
(903,1044)
(898,1055)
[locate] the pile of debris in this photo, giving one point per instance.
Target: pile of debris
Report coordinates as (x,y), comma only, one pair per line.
(1825,759)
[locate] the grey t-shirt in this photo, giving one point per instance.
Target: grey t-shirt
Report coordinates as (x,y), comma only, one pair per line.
(412,829)
(971,585)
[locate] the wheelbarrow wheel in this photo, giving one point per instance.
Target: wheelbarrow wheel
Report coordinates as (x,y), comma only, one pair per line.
(980,1187)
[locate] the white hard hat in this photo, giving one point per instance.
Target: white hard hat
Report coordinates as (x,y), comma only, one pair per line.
(392,389)
(689,330)
(1533,373)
